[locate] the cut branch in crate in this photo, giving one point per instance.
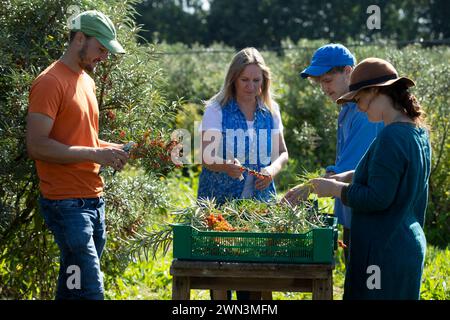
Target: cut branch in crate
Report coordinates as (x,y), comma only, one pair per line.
(243,215)
(150,241)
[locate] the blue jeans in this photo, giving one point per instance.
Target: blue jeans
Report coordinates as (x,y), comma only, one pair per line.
(78,226)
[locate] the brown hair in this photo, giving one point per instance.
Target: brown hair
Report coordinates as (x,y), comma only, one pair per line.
(334,70)
(72,35)
(405,102)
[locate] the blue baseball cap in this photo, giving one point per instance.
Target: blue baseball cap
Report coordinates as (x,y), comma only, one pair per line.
(327,57)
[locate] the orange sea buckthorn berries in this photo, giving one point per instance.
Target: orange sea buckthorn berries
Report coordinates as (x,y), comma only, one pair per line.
(111,115)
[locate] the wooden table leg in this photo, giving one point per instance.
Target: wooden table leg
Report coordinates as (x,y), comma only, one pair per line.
(266,295)
(257,278)
(322,289)
(219,295)
(181,289)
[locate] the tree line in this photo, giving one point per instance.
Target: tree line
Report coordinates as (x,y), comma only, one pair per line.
(265,23)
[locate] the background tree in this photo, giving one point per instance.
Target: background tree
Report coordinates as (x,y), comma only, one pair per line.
(265,23)
(172,20)
(440,23)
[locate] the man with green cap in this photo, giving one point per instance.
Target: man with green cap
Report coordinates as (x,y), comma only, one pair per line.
(62,138)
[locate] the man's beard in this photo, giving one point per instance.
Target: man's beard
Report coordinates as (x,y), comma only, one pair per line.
(82,55)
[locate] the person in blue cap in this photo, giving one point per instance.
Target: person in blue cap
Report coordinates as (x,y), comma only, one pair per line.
(331,67)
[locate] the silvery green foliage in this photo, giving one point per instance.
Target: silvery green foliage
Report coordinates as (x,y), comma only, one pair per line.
(33,34)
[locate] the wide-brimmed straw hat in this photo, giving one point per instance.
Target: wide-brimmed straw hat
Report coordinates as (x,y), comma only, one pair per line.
(372,72)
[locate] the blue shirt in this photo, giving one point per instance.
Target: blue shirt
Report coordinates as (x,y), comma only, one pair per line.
(219,185)
(354,136)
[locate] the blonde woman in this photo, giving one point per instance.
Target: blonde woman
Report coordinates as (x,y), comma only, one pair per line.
(242,126)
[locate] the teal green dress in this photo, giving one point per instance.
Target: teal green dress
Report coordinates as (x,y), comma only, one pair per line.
(388,197)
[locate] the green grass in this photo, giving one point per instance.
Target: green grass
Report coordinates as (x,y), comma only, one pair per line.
(152,280)
(436,275)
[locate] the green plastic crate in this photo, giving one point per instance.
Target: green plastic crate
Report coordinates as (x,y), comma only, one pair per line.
(315,246)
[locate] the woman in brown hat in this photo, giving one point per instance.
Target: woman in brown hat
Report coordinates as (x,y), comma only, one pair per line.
(388,190)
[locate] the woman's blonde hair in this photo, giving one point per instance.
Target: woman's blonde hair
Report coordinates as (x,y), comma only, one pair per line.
(243,58)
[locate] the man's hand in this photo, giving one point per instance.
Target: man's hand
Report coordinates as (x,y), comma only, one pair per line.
(329,174)
(109,156)
(105,144)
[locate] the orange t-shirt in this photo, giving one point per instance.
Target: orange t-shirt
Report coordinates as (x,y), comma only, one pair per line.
(69,99)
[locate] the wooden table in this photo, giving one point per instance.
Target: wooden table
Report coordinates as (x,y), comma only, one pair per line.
(315,278)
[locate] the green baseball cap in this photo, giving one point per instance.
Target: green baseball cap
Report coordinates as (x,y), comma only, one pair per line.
(95,24)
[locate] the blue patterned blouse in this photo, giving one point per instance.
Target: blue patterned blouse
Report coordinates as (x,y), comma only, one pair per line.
(219,185)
